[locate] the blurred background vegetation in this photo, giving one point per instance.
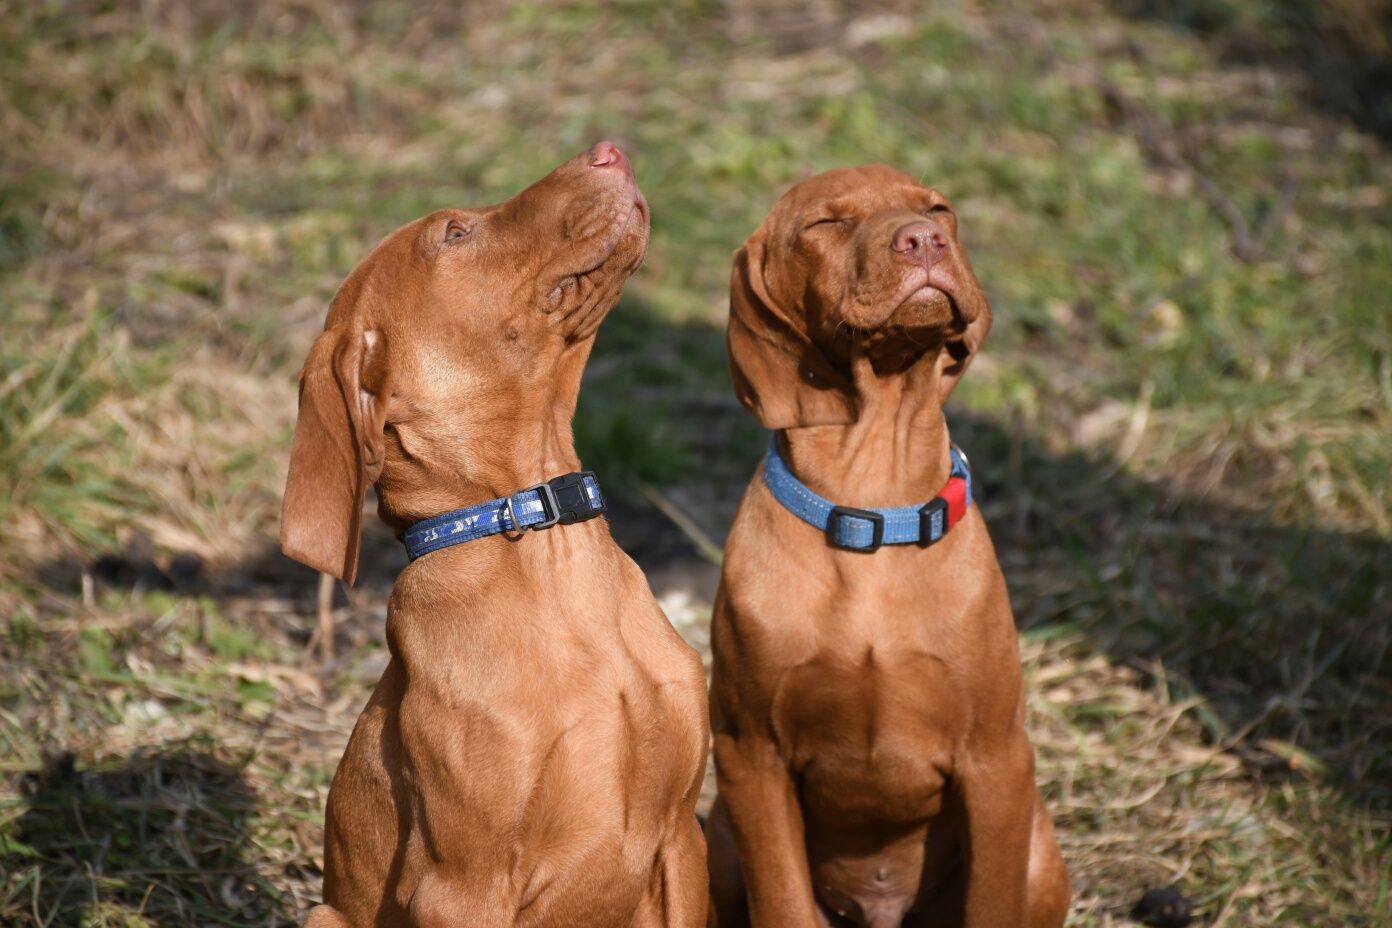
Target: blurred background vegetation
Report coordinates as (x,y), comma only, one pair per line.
(1181,421)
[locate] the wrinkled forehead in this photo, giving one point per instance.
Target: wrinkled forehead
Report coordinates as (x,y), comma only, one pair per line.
(858,191)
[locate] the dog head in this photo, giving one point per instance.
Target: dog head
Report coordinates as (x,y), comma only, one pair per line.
(857,260)
(455,329)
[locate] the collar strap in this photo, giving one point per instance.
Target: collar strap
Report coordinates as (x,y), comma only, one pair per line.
(560,501)
(867,529)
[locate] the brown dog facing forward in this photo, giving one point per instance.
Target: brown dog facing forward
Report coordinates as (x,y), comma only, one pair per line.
(866,699)
(534,750)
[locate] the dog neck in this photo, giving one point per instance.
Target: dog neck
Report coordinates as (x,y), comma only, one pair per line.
(894,454)
(439,463)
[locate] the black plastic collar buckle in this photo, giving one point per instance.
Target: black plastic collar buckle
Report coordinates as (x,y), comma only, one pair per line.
(567,500)
(932,516)
(564,500)
(875,519)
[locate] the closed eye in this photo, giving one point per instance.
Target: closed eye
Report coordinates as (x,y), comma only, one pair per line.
(937,209)
(829,222)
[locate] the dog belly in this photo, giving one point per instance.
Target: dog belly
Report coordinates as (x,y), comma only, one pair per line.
(870,819)
(876,875)
(871,762)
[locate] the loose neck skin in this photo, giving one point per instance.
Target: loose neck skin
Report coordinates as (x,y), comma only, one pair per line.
(894,454)
(438,463)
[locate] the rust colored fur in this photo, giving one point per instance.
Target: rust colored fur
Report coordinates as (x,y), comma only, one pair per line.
(533,752)
(867,708)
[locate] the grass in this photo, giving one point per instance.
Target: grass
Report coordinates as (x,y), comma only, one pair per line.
(1180,422)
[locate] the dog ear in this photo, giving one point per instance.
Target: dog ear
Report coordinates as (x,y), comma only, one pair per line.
(337,451)
(778,373)
(958,353)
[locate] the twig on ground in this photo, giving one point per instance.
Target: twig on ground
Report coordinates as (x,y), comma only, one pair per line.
(1167,147)
(323,637)
(707,548)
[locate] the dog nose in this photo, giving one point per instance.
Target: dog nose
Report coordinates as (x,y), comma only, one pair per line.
(607,154)
(923,241)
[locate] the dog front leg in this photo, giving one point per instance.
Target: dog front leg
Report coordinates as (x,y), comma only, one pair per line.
(324,916)
(449,900)
(759,795)
(680,896)
(998,795)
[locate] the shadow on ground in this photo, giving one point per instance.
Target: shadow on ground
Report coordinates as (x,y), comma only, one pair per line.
(1279,632)
(1343,49)
(164,833)
(1282,630)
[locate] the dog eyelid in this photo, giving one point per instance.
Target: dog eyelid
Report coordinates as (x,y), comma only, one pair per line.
(829,220)
(456,230)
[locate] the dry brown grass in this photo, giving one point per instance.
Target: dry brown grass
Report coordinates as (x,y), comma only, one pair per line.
(1186,478)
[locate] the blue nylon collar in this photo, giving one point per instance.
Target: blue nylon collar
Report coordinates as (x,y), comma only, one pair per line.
(562,500)
(856,529)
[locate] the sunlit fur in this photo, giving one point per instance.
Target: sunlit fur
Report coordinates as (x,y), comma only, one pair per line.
(534,750)
(868,712)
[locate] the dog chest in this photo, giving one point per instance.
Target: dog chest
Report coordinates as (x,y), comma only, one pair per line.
(869,740)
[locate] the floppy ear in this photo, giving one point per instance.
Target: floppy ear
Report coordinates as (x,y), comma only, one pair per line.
(336,453)
(959,353)
(778,373)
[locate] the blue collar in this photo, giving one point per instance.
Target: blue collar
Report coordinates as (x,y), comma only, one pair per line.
(867,529)
(562,500)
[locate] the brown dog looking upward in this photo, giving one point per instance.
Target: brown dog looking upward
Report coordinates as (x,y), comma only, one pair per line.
(533,752)
(867,705)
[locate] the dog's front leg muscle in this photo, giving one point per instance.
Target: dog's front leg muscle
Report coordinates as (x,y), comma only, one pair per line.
(998,794)
(766,819)
(680,898)
(323,916)
(448,901)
